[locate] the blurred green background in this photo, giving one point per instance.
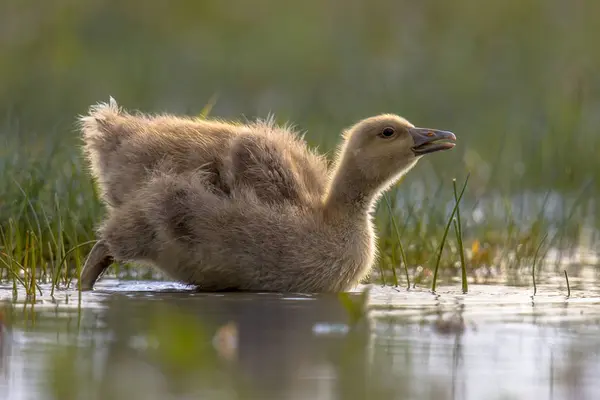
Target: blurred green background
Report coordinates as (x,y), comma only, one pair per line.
(513,76)
(516,80)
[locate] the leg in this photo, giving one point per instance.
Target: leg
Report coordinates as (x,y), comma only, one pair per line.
(97,262)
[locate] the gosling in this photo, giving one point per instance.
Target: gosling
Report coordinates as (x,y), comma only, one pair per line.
(256,210)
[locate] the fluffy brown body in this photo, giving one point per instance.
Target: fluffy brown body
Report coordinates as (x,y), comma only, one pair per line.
(227,206)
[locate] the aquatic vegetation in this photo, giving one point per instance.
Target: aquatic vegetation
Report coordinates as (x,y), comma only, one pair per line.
(458,230)
(535,257)
(443,241)
(568,286)
(402,253)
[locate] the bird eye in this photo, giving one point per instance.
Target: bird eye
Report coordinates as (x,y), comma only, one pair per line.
(388,132)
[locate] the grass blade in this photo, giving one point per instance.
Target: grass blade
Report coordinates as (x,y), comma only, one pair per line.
(402,254)
(568,286)
(534,261)
(439,257)
(458,229)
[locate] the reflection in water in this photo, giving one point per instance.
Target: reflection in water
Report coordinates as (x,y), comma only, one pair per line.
(153,341)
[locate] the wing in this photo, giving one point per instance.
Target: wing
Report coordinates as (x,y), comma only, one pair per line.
(274,169)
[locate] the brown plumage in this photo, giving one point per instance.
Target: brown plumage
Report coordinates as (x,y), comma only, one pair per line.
(125,150)
(243,206)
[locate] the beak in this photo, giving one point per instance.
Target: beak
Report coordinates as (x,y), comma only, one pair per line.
(431,140)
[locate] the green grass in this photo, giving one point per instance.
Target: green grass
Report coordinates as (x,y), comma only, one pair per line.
(48,212)
(458,230)
(568,286)
(443,241)
(503,245)
(535,258)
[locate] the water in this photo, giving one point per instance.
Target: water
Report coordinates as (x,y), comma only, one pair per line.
(156,340)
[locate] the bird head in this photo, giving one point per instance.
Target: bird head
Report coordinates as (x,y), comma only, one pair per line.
(383,148)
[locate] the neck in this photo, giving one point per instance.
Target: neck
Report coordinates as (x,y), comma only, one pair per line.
(349,194)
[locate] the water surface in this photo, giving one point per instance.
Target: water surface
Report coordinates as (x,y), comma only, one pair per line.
(157,340)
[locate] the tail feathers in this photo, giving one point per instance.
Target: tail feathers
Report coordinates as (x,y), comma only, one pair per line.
(101,135)
(94,124)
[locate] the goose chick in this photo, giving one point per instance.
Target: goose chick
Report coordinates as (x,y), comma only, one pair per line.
(239,241)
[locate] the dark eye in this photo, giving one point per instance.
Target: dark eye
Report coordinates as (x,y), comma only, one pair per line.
(388,132)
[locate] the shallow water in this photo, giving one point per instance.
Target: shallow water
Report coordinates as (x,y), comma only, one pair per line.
(156,340)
